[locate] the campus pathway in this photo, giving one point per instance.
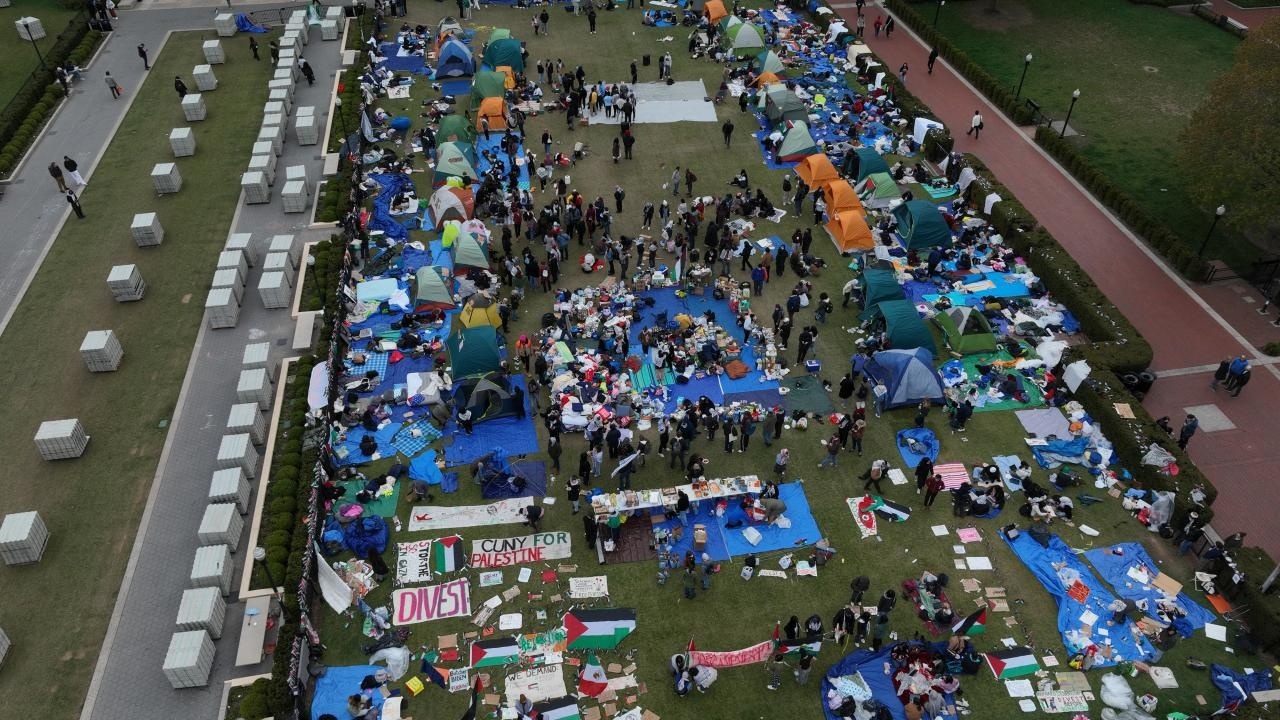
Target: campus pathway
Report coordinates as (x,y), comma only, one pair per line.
(1186,329)
(1251,17)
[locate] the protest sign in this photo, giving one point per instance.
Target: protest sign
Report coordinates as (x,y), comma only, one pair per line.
(432,602)
(501,552)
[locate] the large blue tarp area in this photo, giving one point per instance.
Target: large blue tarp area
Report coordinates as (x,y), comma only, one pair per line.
(494,145)
(870,665)
(1114,569)
(336,685)
(409,63)
(1007,285)
(803,531)
(925,445)
(382,219)
(1058,568)
(703,513)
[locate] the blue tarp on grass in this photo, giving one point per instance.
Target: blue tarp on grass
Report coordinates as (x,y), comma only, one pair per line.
(535,474)
(700,513)
(517,436)
(352,445)
(393,61)
(382,219)
(925,441)
(803,531)
(336,685)
(870,664)
(1114,569)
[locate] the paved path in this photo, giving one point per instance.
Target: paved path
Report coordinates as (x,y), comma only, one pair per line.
(1251,17)
(1186,327)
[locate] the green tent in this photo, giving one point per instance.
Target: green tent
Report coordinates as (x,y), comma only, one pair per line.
(768,61)
(454,159)
(487,84)
(966,330)
(920,225)
(904,327)
(474,351)
(470,251)
(499,34)
(878,286)
(877,191)
(455,128)
(784,107)
(744,37)
(797,143)
(504,52)
(728,23)
(863,162)
(431,291)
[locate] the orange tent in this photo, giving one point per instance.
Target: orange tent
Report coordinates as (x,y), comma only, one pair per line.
(849,231)
(767,78)
(493,109)
(817,171)
(714,11)
(840,196)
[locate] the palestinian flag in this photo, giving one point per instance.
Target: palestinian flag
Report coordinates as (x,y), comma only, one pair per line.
(598,629)
(1012,663)
(890,510)
(476,689)
(591,681)
(975,624)
(791,648)
(563,708)
(449,555)
(489,653)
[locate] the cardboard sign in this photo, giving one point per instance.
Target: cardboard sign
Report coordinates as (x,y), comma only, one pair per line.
(432,602)
(539,683)
(459,680)
(734,658)
(589,587)
(413,562)
(501,552)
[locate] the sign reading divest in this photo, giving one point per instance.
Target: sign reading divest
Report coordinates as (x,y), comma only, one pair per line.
(433,602)
(500,552)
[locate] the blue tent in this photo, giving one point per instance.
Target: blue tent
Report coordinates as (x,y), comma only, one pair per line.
(908,374)
(454,60)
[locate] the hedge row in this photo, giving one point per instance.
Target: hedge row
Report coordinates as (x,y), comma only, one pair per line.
(34,104)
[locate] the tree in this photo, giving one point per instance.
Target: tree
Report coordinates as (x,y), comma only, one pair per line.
(1231,147)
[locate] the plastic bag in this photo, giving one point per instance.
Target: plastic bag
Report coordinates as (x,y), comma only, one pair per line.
(785,561)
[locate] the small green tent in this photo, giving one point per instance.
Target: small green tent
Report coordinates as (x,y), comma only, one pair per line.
(455,128)
(920,225)
(877,191)
(797,143)
(784,107)
(504,52)
(474,351)
(904,327)
(728,23)
(744,37)
(966,330)
(863,162)
(432,291)
(878,286)
(454,159)
(487,84)
(470,251)
(768,61)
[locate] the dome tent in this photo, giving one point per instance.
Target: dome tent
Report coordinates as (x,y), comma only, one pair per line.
(768,62)
(744,37)
(449,25)
(450,203)
(840,197)
(714,11)
(480,309)
(492,110)
(473,351)
(504,52)
(904,327)
(454,59)
(470,252)
(431,291)
(816,171)
(966,330)
(878,286)
(454,159)
(920,225)
(488,397)
(849,231)
(454,128)
(878,191)
(863,162)
(797,143)
(783,106)
(908,375)
(499,34)
(487,84)
(767,78)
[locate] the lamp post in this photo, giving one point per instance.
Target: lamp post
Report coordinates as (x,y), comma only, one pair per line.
(1217,215)
(260,557)
(938,11)
(27,27)
(1074,97)
(1025,65)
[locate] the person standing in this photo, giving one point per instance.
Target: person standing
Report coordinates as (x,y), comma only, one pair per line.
(775,667)
(179,86)
(1221,374)
(846,389)
(573,492)
(1234,370)
(618,195)
(805,344)
(932,487)
(879,23)
(113,86)
(554,450)
(689,180)
(889,25)
(274,47)
(880,628)
(803,667)
(933,58)
(74,201)
(56,173)
(833,452)
(310,74)
(591,19)
(142,53)
(1188,430)
(975,125)
(73,171)
(727,131)
(544,22)
(860,26)
(1240,381)
(253,46)
(780,463)
(902,71)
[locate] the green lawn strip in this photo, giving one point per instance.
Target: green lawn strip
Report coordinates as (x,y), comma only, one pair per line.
(57,611)
(735,614)
(1141,71)
(17,59)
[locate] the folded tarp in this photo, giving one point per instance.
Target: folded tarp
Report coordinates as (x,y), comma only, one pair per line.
(244,24)
(1114,568)
(1059,452)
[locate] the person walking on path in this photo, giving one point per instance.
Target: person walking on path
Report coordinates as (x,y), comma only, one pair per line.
(113,86)
(727,131)
(179,86)
(1240,381)
(933,58)
(1220,375)
(142,53)
(253,47)
(879,23)
(307,72)
(73,171)
(74,201)
(975,125)
(1188,430)
(1235,369)
(56,172)
(274,47)
(902,71)
(889,25)
(860,26)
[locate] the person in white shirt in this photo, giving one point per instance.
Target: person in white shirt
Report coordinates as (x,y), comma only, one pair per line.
(975,125)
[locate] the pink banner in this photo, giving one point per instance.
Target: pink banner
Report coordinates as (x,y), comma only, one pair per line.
(733,658)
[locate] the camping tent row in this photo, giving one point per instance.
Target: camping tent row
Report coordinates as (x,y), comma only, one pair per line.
(817,171)
(454,160)
(862,162)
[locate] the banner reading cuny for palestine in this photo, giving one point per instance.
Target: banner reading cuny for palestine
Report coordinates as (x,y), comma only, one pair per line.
(501,552)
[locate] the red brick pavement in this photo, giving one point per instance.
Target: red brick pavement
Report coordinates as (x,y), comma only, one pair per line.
(1183,326)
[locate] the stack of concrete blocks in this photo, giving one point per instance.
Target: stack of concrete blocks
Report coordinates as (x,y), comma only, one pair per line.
(241,242)
(248,418)
(334,13)
(272,132)
(284,74)
(189,659)
(101,351)
(280,262)
(296,196)
(296,174)
(166,178)
(221,525)
(287,244)
(230,485)
(282,96)
(202,609)
(276,85)
(182,141)
(263,147)
(300,31)
(212,567)
(287,64)
(221,307)
(265,164)
(213,52)
(126,283)
(237,451)
(274,107)
(275,290)
(205,79)
(306,128)
(258,356)
(61,439)
(225,24)
(146,230)
(329,28)
(193,108)
(22,538)
(232,260)
(230,279)
(254,387)
(29,28)
(254,185)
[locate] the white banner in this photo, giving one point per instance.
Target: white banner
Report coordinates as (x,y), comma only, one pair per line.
(588,587)
(413,563)
(432,602)
(335,591)
(540,683)
(501,552)
(442,517)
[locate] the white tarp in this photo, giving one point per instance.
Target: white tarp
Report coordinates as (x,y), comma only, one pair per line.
(318,389)
(1075,374)
(335,592)
(661,103)
(923,125)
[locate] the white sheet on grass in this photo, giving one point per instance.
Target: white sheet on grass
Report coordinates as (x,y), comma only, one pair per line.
(684,101)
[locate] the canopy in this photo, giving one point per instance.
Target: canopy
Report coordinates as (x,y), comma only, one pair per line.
(480,309)
(714,11)
(878,191)
(431,291)
(454,59)
(904,327)
(454,128)
(470,251)
(840,196)
(450,203)
(768,62)
(908,375)
(744,37)
(966,330)
(797,143)
(849,231)
(877,287)
(504,52)
(920,225)
(863,162)
(448,24)
(473,351)
(454,159)
(493,109)
(816,171)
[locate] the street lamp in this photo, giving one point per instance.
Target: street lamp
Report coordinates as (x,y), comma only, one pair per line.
(1025,65)
(1217,215)
(1074,97)
(260,557)
(937,12)
(27,26)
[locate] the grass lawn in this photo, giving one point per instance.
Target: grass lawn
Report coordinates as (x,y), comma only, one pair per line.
(1141,71)
(734,614)
(56,612)
(17,59)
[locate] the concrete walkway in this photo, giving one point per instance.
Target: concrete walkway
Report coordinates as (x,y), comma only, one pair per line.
(1186,326)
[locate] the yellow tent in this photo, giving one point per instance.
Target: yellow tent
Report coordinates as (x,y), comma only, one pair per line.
(849,231)
(480,310)
(767,78)
(714,11)
(817,171)
(840,196)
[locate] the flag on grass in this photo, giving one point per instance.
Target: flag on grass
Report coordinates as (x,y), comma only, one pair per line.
(975,624)
(562,708)
(470,714)
(592,681)
(489,653)
(890,510)
(598,629)
(450,555)
(1012,663)
(435,674)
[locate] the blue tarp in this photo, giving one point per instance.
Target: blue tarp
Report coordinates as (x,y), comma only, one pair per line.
(1114,568)
(1058,569)
(336,685)
(367,533)
(803,531)
(409,63)
(534,473)
(1057,452)
(925,441)
(870,664)
(244,24)
(382,219)
(351,445)
(424,467)
(1236,686)
(1007,464)
(704,513)
(517,436)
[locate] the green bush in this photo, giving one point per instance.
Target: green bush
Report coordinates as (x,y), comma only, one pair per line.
(282,505)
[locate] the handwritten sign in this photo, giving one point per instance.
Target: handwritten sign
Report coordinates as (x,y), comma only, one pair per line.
(581,588)
(734,658)
(432,602)
(413,562)
(501,552)
(458,680)
(539,683)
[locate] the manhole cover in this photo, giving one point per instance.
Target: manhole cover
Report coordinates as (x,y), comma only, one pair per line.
(1151,69)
